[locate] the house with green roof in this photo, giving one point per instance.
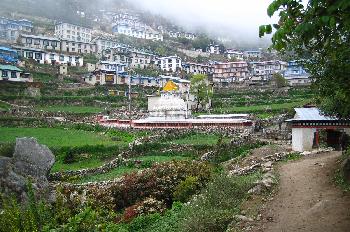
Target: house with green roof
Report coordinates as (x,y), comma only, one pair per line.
(12,73)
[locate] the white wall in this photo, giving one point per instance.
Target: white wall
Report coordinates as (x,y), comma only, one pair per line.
(302,139)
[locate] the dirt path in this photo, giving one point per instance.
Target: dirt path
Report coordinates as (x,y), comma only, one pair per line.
(307,198)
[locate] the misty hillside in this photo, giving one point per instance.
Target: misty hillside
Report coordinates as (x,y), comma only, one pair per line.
(60,10)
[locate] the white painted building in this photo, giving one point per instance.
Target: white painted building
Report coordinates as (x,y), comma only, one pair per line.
(73,32)
(233,54)
(169,63)
(12,73)
(40,42)
(252,54)
(60,58)
(71,46)
(31,53)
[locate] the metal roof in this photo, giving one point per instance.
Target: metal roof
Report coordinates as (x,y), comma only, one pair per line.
(9,68)
(310,114)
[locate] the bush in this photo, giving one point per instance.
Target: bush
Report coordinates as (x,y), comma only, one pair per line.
(186,189)
(7,149)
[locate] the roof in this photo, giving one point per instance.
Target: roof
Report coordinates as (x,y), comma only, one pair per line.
(310,114)
(40,37)
(9,68)
(7,49)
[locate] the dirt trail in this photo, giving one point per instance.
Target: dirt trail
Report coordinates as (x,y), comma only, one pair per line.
(307,198)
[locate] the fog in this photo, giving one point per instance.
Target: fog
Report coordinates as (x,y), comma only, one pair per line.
(236,19)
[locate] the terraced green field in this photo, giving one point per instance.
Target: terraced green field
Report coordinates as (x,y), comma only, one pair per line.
(54,137)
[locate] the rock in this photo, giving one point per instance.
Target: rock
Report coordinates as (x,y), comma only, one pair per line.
(30,161)
(243,218)
(5,163)
(267,164)
(256,190)
(346,169)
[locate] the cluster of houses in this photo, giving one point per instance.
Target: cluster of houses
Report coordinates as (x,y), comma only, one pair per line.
(71,43)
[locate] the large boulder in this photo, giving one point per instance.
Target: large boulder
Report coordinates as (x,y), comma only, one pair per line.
(346,169)
(31,162)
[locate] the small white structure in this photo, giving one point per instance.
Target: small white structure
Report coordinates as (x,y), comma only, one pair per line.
(306,125)
(12,73)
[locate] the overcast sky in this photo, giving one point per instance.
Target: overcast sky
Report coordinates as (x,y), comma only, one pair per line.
(239,19)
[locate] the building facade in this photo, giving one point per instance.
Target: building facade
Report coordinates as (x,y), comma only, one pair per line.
(229,71)
(169,63)
(73,32)
(40,42)
(12,73)
(70,46)
(10,29)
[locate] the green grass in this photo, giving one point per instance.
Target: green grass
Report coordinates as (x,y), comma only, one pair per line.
(43,77)
(200,139)
(53,137)
(59,166)
(70,109)
(255,108)
(119,171)
(4,106)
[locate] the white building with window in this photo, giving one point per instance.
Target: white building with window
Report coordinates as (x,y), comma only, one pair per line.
(73,32)
(59,58)
(40,42)
(12,73)
(70,46)
(31,53)
(169,63)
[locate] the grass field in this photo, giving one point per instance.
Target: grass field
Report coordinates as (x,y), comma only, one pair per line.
(200,139)
(117,172)
(256,108)
(70,109)
(53,137)
(59,166)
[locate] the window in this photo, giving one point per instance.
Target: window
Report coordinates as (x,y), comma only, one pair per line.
(38,56)
(52,56)
(28,40)
(70,59)
(4,73)
(46,43)
(53,43)
(30,55)
(37,42)
(77,59)
(61,57)
(13,75)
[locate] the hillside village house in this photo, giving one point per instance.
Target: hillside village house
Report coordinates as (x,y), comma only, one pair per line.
(70,46)
(266,69)
(252,54)
(40,42)
(169,63)
(213,49)
(44,57)
(233,54)
(102,44)
(8,55)
(178,34)
(196,68)
(10,29)
(230,71)
(296,75)
(141,59)
(119,53)
(12,73)
(107,72)
(138,31)
(73,32)
(31,53)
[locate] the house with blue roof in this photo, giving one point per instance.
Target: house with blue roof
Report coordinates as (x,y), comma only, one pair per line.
(10,29)
(296,75)
(8,55)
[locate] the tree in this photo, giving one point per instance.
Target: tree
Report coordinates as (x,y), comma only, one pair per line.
(319,35)
(201,89)
(279,80)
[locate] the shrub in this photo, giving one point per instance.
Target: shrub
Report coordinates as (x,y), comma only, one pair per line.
(7,149)
(186,189)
